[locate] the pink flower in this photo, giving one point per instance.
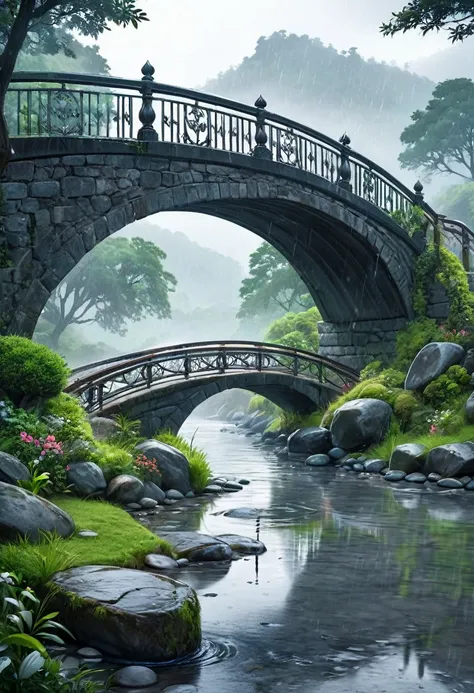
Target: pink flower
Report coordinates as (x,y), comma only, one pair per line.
(37,443)
(43,453)
(68,468)
(433,429)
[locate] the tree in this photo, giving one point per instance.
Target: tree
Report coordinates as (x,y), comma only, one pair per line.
(32,25)
(454,16)
(272,282)
(122,279)
(297,330)
(441,138)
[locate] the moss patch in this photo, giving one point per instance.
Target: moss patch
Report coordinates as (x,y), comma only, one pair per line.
(385,449)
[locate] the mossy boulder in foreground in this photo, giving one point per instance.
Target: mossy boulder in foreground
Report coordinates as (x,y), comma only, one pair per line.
(129,614)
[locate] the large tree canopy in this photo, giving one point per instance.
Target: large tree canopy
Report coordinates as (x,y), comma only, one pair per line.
(273,283)
(296,330)
(441,138)
(454,16)
(121,280)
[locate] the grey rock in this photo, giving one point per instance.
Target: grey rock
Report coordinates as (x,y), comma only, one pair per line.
(23,514)
(20,170)
(455,459)
(245,545)
(432,361)
(133,506)
(374,466)
(408,458)
(49,189)
(101,203)
(159,562)
(12,470)
(125,489)
(14,191)
(309,441)
(87,534)
(198,547)
(385,470)
(89,653)
(468,363)
(102,427)
(148,503)
(86,477)
(282,454)
(174,494)
(470,409)
(232,486)
(169,501)
(244,482)
(151,490)
(416,477)
(173,465)
(244,513)
(318,461)
(433,477)
(465,480)
(136,603)
(190,494)
(72,186)
(470,486)
(360,423)
(182,562)
(337,453)
(212,488)
(74,160)
(358,467)
(395,475)
(135,677)
(450,483)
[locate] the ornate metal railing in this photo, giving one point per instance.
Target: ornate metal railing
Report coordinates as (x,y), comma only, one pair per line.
(74,105)
(103,382)
(459,238)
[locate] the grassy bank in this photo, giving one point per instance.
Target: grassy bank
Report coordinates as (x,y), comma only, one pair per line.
(199,470)
(121,541)
(430,441)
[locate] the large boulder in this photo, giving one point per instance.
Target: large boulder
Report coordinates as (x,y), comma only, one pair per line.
(103,428)
(12,470)
(360,423)
(470,409)
(408,458)
(313,440)
(125,489)
(151,490)
(454,459)
(198,547)
(86,477)
(128,614)
(468,362)
(432,361)
(22,514)
(173,465)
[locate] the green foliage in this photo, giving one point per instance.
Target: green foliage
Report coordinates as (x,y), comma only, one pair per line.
(260,403)
(297,330)
(453,278)
(37,562)
(441,138)
(112,459)
(413,338)
(127,434)
(367,389)
(457,202)
(38,483)
(455,16)
(199,470)
(447,387)
(404,406)
(27,368)
(121,280)
(385,448)
(73,423)
(371,370)
(272,283)
(412,221)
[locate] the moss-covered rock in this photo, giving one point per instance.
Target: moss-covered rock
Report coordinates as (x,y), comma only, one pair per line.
(129,614)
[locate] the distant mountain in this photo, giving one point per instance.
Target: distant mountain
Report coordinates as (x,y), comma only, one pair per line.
(454,61)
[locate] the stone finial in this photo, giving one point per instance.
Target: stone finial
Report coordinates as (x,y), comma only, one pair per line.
(148,71)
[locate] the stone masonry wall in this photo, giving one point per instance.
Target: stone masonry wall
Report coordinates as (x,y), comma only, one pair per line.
(358,343)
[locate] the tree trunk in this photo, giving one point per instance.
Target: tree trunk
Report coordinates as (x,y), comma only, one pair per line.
(5,146)
(53,338)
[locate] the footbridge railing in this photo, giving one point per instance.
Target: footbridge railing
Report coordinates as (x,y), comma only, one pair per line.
(99,383)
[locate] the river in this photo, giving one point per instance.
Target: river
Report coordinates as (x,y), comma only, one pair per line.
(364,586)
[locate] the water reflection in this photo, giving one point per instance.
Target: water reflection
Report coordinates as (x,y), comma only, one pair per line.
(364,587)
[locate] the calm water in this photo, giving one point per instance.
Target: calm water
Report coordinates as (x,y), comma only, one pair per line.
(364,587)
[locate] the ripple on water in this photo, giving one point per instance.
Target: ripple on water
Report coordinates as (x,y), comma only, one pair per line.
(210,652)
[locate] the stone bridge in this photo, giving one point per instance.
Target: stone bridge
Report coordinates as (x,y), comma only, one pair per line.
(161,387)
(89,159)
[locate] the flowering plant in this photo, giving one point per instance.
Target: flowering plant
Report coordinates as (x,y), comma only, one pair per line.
(441,420)
(147,469)
(44,456)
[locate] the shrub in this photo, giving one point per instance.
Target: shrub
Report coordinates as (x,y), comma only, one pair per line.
(371,370)
(260,403)
(27,368)
(413,338)
(72,422)
(447,387)
(113,460)
(377,391)
(291,421)
(404,406)
(199,470)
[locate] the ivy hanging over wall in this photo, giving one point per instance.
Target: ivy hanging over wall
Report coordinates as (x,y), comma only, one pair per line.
(412,220)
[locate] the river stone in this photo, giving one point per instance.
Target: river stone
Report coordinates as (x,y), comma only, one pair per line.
(148,503)
(408,457)
(244,482)
(416,477)
(87,534)
(450,483)
(212,488)
(12,470)
(360,423)
(454,459)
(26,515)
(470,408)
(174,494)
(465,480)
(432,361)
(125,489)
(133,506)
(151,490)
(374,466)
(89,653)
(232,486)
(309,441)
(86,477)
(244,513)
(468,362)
(169,501)
(358,467)
(197,547)
(144,619)
(337,453)
(470,486)
(395,475)
(103,428)
(245,545)
(318,460)
(173,465)
(282,454)
(135,677)
(181,562)
(433,477)
(159,562)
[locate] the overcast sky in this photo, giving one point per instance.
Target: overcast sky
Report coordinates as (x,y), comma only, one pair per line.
(189,41)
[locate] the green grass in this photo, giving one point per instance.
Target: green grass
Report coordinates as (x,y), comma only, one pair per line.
(199,470)
(385,449)
(122,541)
(291,421)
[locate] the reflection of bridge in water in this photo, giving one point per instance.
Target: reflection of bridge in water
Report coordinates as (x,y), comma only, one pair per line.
(163,386)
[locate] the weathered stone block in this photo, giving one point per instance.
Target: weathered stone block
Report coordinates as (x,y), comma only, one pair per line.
(74,160)
(101,203)
(119,160)
(133,174)
(179,166)
(168,179)
(59,172)
(16,223)
(89,171)
(105,186)
(42,174)
(65,214)
(42,217)
(150,179)
(116,219)
(72,186)
(14,191)
(95,159)
(124,183)
(48,188)
(29,205)
(20,170)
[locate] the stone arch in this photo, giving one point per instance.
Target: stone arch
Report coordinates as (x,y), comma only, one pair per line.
(168,407)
